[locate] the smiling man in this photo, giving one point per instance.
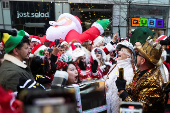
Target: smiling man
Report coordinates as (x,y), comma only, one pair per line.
(17,50)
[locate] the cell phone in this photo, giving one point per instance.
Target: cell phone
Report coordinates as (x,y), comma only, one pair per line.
(131,107)
(57,42)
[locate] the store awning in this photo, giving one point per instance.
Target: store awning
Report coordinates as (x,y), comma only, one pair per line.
(34,24)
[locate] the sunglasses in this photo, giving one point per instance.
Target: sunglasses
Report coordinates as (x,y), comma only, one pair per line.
(98,52)
(78,46)
(113,52)
(137,54)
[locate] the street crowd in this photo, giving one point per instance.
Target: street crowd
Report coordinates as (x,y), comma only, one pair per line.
(28,63)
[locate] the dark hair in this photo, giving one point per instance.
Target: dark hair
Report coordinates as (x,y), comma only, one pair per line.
(1,57)
(25,39)
(47,43)
(50,50)
(62,47)
(65,68)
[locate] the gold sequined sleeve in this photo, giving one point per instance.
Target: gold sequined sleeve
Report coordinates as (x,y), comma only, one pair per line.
(149,97)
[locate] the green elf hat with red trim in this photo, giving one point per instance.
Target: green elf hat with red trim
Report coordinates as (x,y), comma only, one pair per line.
(10,42)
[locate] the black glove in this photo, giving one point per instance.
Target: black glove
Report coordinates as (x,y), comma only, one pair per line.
(94,66)
(120,84)
(123,95)
(81,65)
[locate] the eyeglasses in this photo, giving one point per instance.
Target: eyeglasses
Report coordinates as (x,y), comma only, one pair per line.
(137,53)
(78,46)
(113,52)
(62,50)
(98,52)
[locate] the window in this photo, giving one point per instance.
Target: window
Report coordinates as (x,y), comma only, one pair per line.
(5,4)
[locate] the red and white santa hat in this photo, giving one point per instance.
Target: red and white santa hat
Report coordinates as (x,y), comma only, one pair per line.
(98,41)
(73,18)
(162,37)
(64,42)
(77,53)
(36,49)
(35,39)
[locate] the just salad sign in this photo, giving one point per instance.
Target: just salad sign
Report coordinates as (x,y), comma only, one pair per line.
(28,14)
(150,22)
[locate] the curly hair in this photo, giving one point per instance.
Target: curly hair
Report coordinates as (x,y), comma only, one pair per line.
(25,39)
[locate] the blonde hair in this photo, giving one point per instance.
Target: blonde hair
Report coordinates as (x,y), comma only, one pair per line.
(132,60)
(85,44)
(97,44)
(101,61)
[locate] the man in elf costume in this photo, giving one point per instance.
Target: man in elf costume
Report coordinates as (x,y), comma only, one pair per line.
(68,27)
(17,51)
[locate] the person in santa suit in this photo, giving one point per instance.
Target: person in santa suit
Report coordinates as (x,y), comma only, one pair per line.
(87,47)
(98,42)
(113,57)
(34,41)
(98,67)
(68,27)
(79,57)
(68,48)
(125,60)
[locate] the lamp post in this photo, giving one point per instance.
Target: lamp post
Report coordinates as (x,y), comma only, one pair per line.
(128,17)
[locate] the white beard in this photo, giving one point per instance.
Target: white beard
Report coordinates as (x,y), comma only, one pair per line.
(59,32)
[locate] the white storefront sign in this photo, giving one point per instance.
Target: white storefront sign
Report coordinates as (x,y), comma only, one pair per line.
(36,15)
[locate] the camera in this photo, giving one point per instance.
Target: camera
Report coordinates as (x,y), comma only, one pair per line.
(131,107)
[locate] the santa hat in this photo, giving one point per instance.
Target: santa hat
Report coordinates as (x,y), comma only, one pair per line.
(10,42)
(73,18)
(77,53)
(99,40)
(64,42)
(73,47)
(36,39)
(93,55)
(162,37)
(77,44)
(37,50)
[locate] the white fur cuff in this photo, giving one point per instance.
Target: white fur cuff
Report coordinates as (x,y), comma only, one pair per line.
(110,47)
(99,27)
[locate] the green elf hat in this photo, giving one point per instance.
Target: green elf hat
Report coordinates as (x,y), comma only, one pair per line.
(140,35)
(10,42)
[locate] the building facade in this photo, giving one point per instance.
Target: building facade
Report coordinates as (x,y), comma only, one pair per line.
(34,16)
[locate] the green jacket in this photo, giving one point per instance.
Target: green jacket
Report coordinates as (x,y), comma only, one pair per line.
(11,70)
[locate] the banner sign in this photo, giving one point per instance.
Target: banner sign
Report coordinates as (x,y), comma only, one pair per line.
(150,22)
(36,15)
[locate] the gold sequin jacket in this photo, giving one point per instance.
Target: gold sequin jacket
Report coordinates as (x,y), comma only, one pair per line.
(148,89)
